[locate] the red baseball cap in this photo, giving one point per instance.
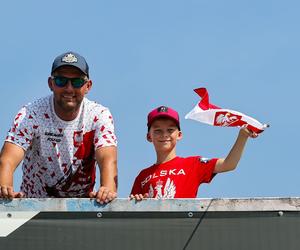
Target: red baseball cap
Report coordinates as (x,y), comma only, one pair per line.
(163,111)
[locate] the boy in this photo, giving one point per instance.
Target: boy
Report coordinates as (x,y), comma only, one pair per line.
(176,177)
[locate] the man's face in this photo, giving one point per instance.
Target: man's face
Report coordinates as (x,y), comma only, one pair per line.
(67,99)
(164,134)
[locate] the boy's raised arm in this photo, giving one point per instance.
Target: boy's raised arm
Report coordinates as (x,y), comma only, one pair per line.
(234,156)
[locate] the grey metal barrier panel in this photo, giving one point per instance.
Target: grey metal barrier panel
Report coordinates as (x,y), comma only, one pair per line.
(252,223)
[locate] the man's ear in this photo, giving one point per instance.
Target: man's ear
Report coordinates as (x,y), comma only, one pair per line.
(149,139)
(50,82)
(88,86)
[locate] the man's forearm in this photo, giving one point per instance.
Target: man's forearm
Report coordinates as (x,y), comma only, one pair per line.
(6,176)
(108,175)
(107,161)
(10,157)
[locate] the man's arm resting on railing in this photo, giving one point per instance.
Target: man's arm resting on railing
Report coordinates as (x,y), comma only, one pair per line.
(10,157)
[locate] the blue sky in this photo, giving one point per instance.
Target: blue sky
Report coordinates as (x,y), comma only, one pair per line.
(143,54)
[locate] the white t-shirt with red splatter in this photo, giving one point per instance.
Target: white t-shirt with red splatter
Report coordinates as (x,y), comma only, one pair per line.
(60,155)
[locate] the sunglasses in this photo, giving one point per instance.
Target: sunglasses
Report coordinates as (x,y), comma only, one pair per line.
(61,81)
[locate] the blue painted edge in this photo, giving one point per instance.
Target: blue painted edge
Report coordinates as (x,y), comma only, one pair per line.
(152,205)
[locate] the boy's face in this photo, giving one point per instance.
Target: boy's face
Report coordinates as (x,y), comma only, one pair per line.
(164,134)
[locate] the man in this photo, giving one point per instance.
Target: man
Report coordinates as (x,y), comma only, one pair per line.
(60,138)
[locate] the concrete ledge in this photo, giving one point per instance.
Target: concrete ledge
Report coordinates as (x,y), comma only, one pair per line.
(190,224)
(153,205)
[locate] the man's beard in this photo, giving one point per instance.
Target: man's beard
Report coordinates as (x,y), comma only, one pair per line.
(68,106)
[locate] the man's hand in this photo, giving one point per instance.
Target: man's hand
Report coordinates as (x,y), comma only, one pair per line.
(7,192)
(103,195)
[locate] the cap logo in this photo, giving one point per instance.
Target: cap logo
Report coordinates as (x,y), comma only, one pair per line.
(162,109)
(69,58)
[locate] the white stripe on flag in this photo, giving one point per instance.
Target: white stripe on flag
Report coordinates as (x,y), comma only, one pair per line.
(210,114)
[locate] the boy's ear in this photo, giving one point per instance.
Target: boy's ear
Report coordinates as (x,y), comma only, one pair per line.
(149,139)
(180,135)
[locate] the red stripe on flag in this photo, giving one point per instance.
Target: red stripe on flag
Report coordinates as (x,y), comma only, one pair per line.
(204,103)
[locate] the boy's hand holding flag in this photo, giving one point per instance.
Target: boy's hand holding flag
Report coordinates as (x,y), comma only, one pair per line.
(216,116)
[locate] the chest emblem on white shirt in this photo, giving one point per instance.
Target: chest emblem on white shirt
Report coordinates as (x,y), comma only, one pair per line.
(78,138)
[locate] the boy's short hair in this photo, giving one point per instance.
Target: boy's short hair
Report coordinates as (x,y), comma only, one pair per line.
(163,111)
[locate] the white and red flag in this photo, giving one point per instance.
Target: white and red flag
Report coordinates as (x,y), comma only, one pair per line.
(208,113)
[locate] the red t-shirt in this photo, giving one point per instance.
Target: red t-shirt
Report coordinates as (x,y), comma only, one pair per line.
(177,178)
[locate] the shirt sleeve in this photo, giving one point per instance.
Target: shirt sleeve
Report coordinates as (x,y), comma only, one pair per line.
(136,188)
(22,130)
(206,169)
(105,131)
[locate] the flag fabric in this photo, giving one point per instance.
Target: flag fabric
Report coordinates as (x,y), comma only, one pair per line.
(208,113)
